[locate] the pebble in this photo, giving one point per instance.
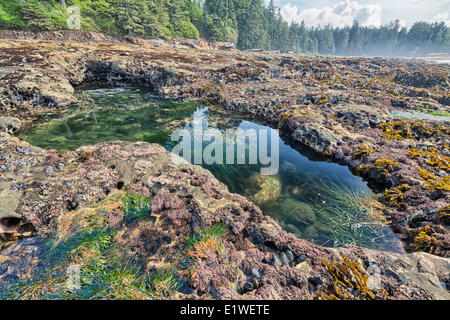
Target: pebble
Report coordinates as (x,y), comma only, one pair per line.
(23,150)
(17,186)
(276,261)
(289,255)
(284,259)
(49,170)
(72,204)
(316,281)
(255,273)
(247,287)
(301,258)
(255,283)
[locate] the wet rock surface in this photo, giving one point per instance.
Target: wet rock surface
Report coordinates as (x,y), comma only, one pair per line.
(339,107)
(257,259)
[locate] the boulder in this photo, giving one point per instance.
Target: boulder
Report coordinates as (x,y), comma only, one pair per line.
(9,124)
(264,188)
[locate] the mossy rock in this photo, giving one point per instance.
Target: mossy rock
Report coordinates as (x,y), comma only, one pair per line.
(311,233)
(297,212)
(324,230)
(293,229)
(297,192)
(264,189)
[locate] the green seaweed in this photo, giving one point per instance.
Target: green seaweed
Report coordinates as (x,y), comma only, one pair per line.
(136,207)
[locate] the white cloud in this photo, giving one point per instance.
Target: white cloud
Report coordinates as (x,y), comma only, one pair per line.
(441,17)
(340,15)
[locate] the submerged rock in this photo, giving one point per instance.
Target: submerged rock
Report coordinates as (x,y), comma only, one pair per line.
(298,192)
(264,188)
(311,233)
(293,229)
(297,212)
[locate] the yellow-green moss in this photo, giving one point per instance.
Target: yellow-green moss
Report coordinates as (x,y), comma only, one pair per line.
(394,197)
(362,152)
(350,281)
(424,239)
(434,182)
(433,156)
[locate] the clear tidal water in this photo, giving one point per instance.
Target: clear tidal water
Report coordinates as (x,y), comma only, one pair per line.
(416,115)
(313,199)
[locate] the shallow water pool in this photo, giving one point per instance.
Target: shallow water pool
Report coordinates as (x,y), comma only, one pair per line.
(313,199)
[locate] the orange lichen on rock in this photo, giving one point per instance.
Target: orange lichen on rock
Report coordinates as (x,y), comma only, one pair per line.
(383,166)
(397,130)
(444,214)
(201,249)
(211,88)
(284,116)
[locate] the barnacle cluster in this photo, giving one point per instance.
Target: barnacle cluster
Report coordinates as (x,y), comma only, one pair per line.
(394,197)
(350,281)
(362,152)
(433,156)
(424,238)
(434,182)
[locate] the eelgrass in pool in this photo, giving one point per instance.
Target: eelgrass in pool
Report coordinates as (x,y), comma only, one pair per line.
(104,271)
(315,200)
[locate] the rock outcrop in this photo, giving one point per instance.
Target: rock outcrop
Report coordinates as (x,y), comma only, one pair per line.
(338,107)
(62,194)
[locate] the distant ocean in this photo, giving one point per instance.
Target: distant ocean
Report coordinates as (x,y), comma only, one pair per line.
(438,61)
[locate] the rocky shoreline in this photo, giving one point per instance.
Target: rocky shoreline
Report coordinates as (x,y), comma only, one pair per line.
(339,107)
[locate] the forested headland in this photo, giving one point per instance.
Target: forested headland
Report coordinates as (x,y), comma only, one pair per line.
(250,24)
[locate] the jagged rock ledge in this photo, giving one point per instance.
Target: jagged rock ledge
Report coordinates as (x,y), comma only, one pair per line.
(53,191)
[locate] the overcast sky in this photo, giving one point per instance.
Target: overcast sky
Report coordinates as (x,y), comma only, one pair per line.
(367,12)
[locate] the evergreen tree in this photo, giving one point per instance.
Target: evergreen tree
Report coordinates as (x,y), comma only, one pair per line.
(36,15)
(249,23)
(252,25)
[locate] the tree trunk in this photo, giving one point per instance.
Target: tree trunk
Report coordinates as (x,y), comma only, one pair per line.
(205,16)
